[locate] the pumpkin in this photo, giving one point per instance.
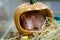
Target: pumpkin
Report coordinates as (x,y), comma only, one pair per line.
(29,8)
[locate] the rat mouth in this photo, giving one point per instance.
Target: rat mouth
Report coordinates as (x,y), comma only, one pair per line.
(33,20)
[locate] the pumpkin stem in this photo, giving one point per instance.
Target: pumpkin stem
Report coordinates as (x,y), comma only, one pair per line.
(32,1)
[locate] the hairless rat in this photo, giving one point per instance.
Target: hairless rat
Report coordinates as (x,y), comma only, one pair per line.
(35,22)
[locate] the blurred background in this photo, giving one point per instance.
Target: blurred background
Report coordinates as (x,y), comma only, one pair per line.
(7,8)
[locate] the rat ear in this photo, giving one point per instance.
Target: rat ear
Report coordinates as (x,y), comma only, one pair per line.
(23,17)
(32,18)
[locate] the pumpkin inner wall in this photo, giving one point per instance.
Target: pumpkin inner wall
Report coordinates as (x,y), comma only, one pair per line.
(33,20)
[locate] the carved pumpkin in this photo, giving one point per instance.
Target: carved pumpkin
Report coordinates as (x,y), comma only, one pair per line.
(33,11)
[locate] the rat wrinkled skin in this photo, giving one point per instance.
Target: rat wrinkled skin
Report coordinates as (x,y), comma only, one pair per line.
(33,22)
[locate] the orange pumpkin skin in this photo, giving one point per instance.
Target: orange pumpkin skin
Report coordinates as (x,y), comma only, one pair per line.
(28,7)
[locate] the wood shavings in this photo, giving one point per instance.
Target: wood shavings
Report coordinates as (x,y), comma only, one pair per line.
(52,34)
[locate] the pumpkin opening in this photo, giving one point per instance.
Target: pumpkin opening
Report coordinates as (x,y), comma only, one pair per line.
(33,20)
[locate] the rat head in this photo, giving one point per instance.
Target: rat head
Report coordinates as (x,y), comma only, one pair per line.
(26,23)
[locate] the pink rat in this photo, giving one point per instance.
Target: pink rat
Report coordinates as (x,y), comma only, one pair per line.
(33,23)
